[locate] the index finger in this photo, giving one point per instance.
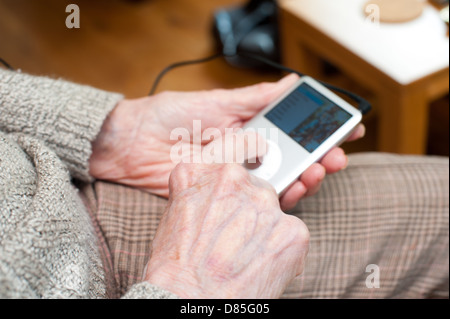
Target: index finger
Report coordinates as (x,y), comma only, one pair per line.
(358,133)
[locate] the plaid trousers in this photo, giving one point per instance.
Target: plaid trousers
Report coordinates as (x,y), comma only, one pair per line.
(379,229)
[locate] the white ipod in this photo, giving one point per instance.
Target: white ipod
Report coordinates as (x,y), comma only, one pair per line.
(300,127)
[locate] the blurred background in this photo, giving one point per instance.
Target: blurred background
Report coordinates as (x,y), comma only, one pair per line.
(122,46)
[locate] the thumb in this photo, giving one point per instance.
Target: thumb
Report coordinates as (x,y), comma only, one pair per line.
(246,102)
(236,146)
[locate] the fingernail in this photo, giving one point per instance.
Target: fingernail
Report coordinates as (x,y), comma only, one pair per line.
(363,131)
(289,78)
(346,162)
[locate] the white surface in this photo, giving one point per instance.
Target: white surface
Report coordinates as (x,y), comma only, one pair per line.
(404,51)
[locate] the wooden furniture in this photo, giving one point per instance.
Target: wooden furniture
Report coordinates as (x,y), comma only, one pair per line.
(121,46)
(405,65)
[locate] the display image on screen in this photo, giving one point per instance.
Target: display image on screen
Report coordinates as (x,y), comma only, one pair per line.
(308,117)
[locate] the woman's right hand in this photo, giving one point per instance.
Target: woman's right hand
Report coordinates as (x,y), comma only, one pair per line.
(223,235)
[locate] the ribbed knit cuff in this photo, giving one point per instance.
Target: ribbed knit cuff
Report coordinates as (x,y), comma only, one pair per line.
(66,116)
(145,290)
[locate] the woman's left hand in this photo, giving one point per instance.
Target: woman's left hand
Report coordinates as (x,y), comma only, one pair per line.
(134,145)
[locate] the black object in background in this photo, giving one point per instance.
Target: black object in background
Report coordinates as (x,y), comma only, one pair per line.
(251,28)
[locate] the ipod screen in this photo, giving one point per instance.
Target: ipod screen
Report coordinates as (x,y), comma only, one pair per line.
(308,117)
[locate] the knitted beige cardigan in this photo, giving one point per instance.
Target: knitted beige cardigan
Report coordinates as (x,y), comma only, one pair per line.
(48,247)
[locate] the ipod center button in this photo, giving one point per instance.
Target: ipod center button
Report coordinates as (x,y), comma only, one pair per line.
(267,166)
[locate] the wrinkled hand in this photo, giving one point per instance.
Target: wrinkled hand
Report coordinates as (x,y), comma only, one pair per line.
(223,235)
(134,145)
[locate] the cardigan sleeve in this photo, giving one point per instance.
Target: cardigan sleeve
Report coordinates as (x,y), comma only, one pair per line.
(145,290)
(64,115)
